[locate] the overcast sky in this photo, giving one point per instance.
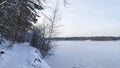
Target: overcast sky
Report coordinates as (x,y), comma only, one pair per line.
(91,18)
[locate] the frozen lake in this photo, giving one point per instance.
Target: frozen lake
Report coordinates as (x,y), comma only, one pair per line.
(85,54)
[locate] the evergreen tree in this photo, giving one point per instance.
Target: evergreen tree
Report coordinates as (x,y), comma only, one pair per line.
(16,17)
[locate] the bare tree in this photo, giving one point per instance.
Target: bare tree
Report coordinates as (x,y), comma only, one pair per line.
(46,31)
(51,21)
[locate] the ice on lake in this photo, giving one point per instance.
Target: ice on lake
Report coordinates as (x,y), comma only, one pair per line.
(85,54)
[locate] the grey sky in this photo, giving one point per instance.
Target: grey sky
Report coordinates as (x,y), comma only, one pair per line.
(91,18)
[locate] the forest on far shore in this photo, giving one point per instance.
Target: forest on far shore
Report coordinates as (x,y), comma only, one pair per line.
(95,38)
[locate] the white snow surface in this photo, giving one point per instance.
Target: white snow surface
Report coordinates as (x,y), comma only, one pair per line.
(85,54)
(21,55)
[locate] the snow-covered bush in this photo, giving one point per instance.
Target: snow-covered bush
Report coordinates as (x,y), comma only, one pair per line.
(38,41)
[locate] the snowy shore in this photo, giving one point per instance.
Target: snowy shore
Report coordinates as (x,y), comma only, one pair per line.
(21,56)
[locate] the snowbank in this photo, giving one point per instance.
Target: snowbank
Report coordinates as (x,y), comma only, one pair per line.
(21,56)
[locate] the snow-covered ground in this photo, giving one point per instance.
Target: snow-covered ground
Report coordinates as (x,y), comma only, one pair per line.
(21,56)
(85,54)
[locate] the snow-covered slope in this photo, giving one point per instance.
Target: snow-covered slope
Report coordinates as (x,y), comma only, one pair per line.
(21,56)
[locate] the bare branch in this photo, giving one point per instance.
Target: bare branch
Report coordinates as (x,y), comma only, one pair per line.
(65,2)
(3,2)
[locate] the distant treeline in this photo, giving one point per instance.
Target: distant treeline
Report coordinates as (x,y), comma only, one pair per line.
(96,38)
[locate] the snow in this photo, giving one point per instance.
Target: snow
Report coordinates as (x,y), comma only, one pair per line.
(3,2)
(85,54)
(21,55)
